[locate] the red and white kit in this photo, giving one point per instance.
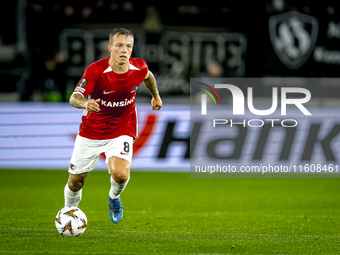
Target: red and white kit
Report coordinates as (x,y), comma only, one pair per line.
(113,128)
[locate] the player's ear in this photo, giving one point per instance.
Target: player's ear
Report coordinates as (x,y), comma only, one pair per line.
(109,47)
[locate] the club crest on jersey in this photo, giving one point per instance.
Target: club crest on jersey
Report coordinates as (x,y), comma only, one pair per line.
(134,89)
(118,104)
(82,83)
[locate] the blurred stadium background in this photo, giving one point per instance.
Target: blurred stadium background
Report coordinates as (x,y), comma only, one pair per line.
(45,47)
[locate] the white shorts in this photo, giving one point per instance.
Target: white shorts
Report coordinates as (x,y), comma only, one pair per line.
(86,152)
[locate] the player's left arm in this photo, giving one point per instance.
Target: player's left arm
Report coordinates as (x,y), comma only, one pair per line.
(150,84)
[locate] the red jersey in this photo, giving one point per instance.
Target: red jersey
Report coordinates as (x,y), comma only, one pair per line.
(117,115)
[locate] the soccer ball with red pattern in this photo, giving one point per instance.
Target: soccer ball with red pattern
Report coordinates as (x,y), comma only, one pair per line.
(71,221)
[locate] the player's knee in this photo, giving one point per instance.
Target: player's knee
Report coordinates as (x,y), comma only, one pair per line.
(120,169)
(121,175)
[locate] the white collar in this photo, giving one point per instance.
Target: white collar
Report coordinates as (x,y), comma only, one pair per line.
(131,67)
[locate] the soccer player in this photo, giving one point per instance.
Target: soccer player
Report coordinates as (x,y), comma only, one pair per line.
(109,121)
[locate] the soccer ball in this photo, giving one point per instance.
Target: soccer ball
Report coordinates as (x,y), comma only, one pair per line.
(71,221)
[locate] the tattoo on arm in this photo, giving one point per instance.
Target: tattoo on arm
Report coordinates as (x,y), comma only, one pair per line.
(78,101)
(150,84)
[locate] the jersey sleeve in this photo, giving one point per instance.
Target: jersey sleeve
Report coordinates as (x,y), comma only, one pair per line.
(145,68)
(87,82)
(147,75)
(142,66)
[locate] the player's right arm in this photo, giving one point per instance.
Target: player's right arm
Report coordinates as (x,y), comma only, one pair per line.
(84,88)
(77,100)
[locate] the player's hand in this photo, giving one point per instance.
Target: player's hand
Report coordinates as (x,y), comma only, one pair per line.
(92,105)
(156,103)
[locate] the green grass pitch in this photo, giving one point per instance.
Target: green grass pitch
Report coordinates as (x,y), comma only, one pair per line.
(171,213)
